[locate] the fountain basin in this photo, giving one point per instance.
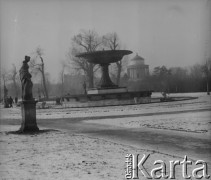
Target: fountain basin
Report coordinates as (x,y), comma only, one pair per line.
(104,57)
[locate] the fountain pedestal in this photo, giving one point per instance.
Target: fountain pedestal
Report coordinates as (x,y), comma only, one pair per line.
(105,81)
(28,111)
(106,85)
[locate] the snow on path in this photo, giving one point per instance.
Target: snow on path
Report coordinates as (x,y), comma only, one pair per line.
(198,122)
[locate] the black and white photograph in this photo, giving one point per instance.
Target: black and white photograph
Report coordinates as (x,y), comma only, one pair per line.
(105,89)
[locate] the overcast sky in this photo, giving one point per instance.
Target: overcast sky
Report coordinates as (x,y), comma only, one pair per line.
(164,32)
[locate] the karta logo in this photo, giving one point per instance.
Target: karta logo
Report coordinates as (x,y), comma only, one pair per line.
(134,167)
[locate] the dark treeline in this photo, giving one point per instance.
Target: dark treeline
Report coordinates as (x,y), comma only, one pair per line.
(173,80)
(170,80)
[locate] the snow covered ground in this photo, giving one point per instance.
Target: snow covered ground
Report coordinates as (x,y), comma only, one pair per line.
(197,122)
(59,155)
(203,102)
(62,155)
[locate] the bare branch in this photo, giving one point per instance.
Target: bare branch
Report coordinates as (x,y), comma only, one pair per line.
(85,41)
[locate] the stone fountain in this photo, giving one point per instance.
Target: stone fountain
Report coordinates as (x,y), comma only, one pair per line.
(104,59)
(107,93)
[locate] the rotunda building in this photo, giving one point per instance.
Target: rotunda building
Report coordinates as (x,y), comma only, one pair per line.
(137,69)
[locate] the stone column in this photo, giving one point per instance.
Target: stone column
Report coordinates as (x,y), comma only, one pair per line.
(28,111)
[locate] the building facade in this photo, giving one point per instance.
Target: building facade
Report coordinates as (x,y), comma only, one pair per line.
(137,69)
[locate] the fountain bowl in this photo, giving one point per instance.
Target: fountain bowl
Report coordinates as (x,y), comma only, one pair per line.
(105,56)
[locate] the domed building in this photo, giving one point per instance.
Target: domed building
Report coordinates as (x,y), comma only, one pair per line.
(137,69)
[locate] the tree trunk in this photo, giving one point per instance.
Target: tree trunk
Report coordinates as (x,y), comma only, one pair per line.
(91,79)
(15,87)
(208,91)
(90,74)
(44,82)
(62,84)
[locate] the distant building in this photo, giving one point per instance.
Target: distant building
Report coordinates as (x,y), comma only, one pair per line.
(137,69)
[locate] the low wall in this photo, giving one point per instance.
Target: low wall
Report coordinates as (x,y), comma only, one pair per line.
(106,102)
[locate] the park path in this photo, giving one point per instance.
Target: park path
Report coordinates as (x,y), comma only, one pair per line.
(194,145)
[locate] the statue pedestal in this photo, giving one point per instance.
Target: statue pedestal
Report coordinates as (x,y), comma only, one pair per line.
(28,111)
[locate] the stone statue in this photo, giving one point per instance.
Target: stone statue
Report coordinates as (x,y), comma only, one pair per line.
(26,82)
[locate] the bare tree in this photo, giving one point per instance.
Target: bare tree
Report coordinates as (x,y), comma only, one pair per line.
(86,41)
(4,77)
(206,69)
(179,78)
(111,41)
(13,77)
(61,76)
(196,71)
(39,67)
(162,74)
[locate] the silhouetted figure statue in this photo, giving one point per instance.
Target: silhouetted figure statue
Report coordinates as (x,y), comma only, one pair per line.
(28,104)
(26,82)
